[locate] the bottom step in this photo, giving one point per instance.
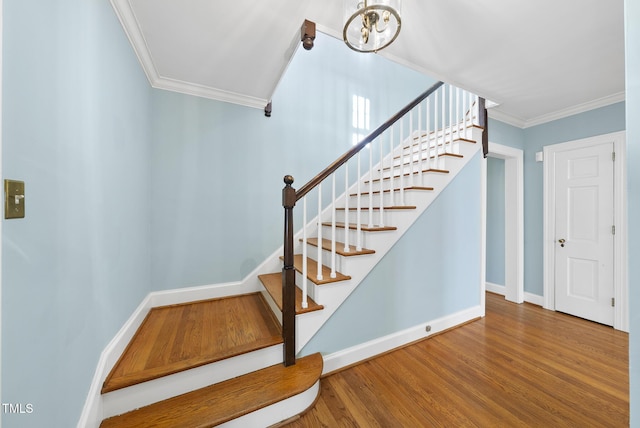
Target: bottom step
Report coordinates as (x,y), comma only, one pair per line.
(231,399)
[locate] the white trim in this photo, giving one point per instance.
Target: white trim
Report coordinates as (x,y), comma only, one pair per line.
(1,55)
(519,122)
(534,299)
(144,394)
(363,351)
(621,313)
(131,27)
(514,219)
(202,91)
(507,118)
(577,109)
(277,412)
(483,235)
(495,288)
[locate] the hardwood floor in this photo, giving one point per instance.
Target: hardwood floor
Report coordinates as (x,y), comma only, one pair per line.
(520,366)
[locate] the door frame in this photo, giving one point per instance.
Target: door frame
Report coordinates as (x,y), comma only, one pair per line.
(620,284)
(1,175)
(514,219)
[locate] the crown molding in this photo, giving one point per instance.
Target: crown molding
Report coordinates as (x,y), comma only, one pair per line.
(577,109)
(208,92)
(559,114)
(131,27)
(507,118)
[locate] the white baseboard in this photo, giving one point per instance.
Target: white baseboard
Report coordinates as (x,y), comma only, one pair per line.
(534,299)
(495,288)
(502,290)
(355,354)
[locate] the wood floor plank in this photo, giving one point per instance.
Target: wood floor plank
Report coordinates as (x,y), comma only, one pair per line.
(520,366)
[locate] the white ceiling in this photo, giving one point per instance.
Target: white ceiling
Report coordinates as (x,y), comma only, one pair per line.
(540,60)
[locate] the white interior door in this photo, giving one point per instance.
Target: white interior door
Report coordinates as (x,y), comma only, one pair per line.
(584,247)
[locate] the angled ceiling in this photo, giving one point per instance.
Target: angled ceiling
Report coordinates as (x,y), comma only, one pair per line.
(539,60)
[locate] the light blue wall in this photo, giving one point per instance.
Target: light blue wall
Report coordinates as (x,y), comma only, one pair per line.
(218,168)
(505,134)
(76,116)
(632,36)
(495,273)
(420,279)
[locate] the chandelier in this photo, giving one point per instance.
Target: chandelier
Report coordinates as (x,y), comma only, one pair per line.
(371,25)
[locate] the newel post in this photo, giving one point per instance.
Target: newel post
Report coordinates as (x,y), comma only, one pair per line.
(288,276)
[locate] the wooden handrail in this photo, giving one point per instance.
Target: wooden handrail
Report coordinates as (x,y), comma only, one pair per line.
(362,144)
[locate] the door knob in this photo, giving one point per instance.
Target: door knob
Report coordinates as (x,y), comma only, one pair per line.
(561,241)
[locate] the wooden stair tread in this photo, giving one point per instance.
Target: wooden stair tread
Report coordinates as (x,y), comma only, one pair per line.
(175,338)
(375,192)
(273,284)
(312,269)
(395,207)
(453,155)
(222,402)
(366,228)
(326,245)
(408,174)
(466,140)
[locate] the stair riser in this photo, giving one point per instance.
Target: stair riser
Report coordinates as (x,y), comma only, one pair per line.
(342,262)
(426,179)
(411,197)
(386,218)
(417,156)
(136,396)
(278,412)
(387,200)
(369,239)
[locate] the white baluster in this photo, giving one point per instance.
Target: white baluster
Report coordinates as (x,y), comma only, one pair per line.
(358,214)
(450,119)
(401,162)
(457,113)
(436,108)
(420,148)
(381,220)
(319,254)
(411,148)
(346,206)
(391,167)
(371,184)
(464,113)
(477,103)
(333,225)
(305,304)
(428,132)
(443,101)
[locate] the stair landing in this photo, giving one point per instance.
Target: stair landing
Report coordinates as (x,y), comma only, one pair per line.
(181,337)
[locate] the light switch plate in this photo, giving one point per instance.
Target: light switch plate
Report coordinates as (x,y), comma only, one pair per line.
(13,199)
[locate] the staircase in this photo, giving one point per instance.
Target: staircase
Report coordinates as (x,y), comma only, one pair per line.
(219,361)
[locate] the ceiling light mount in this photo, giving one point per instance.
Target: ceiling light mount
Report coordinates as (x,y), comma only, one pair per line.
(371,25)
